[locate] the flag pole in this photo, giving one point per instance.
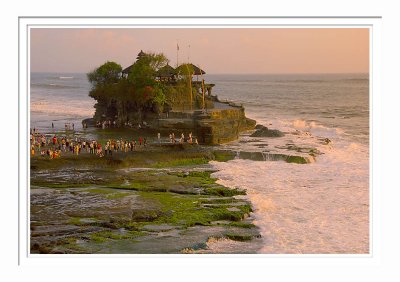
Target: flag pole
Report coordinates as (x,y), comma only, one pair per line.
(190,86)
(177,53)
(202,86)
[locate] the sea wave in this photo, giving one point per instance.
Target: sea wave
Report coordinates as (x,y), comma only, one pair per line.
(53,86)
(315,128)
(321,207)
(72,109)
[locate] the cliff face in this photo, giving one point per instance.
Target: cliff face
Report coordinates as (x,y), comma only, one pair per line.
(222,126)
(214,127)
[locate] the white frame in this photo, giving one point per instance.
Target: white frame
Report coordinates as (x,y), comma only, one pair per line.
(26,23)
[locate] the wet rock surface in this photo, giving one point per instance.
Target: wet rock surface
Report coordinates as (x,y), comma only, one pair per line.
(85,210)
(263,131)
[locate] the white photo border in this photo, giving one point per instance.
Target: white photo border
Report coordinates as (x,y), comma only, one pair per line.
(27,23)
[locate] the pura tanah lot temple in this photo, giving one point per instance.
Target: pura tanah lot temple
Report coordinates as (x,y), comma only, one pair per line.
(199,112)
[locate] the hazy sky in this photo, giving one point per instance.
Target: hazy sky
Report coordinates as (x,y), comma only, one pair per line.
(216,50)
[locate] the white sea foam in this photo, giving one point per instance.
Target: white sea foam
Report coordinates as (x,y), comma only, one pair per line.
(322,207)
(77,109)
(314,128)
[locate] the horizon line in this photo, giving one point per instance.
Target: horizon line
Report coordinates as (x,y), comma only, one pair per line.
(277,73)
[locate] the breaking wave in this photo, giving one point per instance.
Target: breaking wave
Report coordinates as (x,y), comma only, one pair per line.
(77,109)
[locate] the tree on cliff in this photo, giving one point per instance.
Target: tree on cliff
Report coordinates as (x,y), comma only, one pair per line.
(149,93)
(105,74)
(121,97)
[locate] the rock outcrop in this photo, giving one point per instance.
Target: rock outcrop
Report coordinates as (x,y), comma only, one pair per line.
(263,131)
(215,126)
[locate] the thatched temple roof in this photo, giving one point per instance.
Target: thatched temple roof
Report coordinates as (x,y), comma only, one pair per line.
(166,71)
(195,70)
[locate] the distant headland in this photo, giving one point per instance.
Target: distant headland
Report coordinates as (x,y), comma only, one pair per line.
(152,94)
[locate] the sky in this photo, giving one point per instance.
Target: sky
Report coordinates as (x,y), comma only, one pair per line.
(215,50)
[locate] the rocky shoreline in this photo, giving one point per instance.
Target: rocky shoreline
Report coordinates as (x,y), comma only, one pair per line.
(159,200)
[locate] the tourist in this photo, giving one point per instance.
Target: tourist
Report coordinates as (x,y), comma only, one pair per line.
(43,141)
(52,125)
(126,146)
(118,145)
(112,145)
(63,144)
(99,150)
(52,146)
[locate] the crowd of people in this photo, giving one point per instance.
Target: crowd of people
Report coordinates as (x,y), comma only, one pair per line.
(113,124)
(189,139)
(53,146)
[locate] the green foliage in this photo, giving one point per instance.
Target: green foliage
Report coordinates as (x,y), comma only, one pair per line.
(159,97)
(139,92)
(181,162)
(105,74)
(224,156)
(188,211)
(224,192)
(143,71)
(104,236)
(239,237)
(142,77)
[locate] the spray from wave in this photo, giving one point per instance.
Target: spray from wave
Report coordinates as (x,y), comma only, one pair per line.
(319,207)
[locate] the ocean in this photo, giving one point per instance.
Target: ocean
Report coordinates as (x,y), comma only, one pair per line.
(321,207)
(59,98)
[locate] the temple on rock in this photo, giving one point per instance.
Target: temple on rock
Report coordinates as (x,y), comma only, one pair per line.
(151,92)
